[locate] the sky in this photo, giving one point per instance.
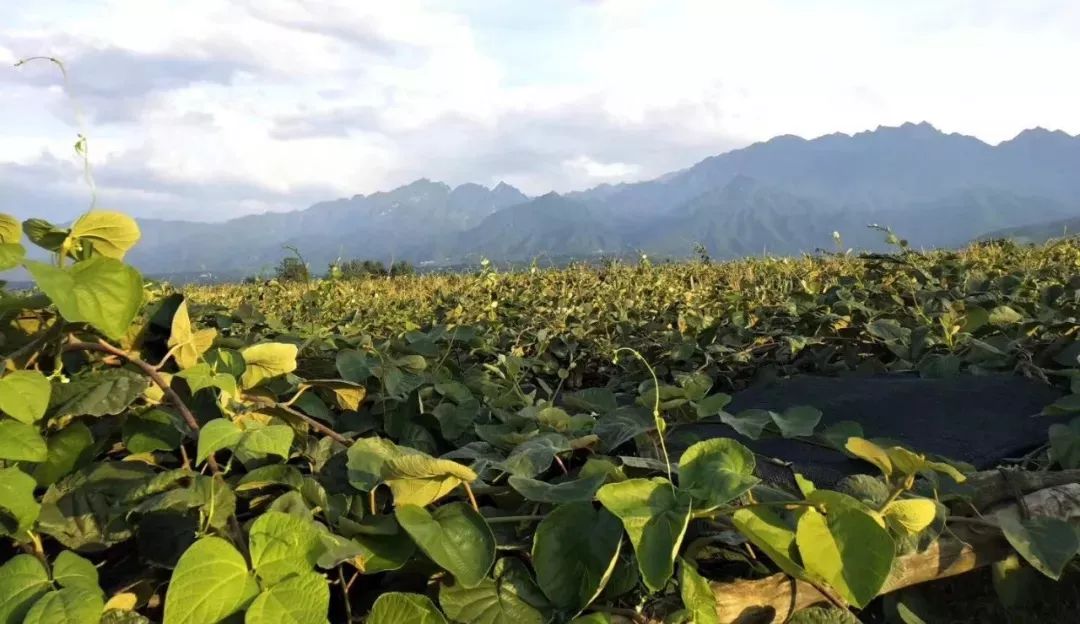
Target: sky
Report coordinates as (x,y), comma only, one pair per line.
(212,109)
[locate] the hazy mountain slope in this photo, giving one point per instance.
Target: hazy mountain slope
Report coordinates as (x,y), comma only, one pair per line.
(785,195)
(1037,232)
(550,225)
(747,217)
(379,226)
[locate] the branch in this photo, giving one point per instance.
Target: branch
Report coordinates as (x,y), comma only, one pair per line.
(314,424)
(103,347)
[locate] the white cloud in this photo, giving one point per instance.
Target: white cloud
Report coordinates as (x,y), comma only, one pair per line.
(601,171)
(212,108)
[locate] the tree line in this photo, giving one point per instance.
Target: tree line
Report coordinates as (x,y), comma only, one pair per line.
(294,269)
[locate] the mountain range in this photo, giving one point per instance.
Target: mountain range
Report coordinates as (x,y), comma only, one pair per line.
(786,195)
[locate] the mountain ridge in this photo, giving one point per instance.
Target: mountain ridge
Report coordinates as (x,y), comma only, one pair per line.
(937,188)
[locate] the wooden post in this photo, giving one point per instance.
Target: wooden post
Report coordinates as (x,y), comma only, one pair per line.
(775,598)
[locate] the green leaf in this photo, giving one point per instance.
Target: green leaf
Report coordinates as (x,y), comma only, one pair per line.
(1004,315)
(1048,544)
(259,441)
(101,291)
(21,442)
(599,400)
(71,570)
(510,598)
(300,599)
(225,361)
(353,365)
(836,435)
(370,553)
(418,479)
(68,449)
(71,605)
(619,426)
(112,234)
(23,579)
(888,330)
(712,405)
(210,583)
(697,596)
(695,385)
(44,234)
(1065,406)
(1065,444)
(18,507)
(797,421)
(11,255)
(582,489)
(265,361)
(282,545)
(201,376)
(272,474)
(847,550)
(535,455)
(655,516)
(574,553)
(216,435)
(153,430)
(366,458)
(399,608)
(10,229)
(870,490)
(24,395)
(749,423)
(716,471)
(98,393)
(768,531)
(85,510)
(455,537)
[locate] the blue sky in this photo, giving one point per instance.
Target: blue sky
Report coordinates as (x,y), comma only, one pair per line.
(209,109)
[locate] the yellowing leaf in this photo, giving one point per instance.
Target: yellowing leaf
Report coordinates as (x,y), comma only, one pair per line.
(905,461)
(112,234)
(944,468)
(10,230)
(910,515)
(421,480)
(349,395)
(124,601)
(189,345)
(423,466)
(267,360)
(868,451)
(153,393)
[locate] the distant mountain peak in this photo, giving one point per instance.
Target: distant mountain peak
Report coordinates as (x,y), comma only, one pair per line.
(423,184)
(786,195)
(470,186)
(1038,133)
(922,129)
